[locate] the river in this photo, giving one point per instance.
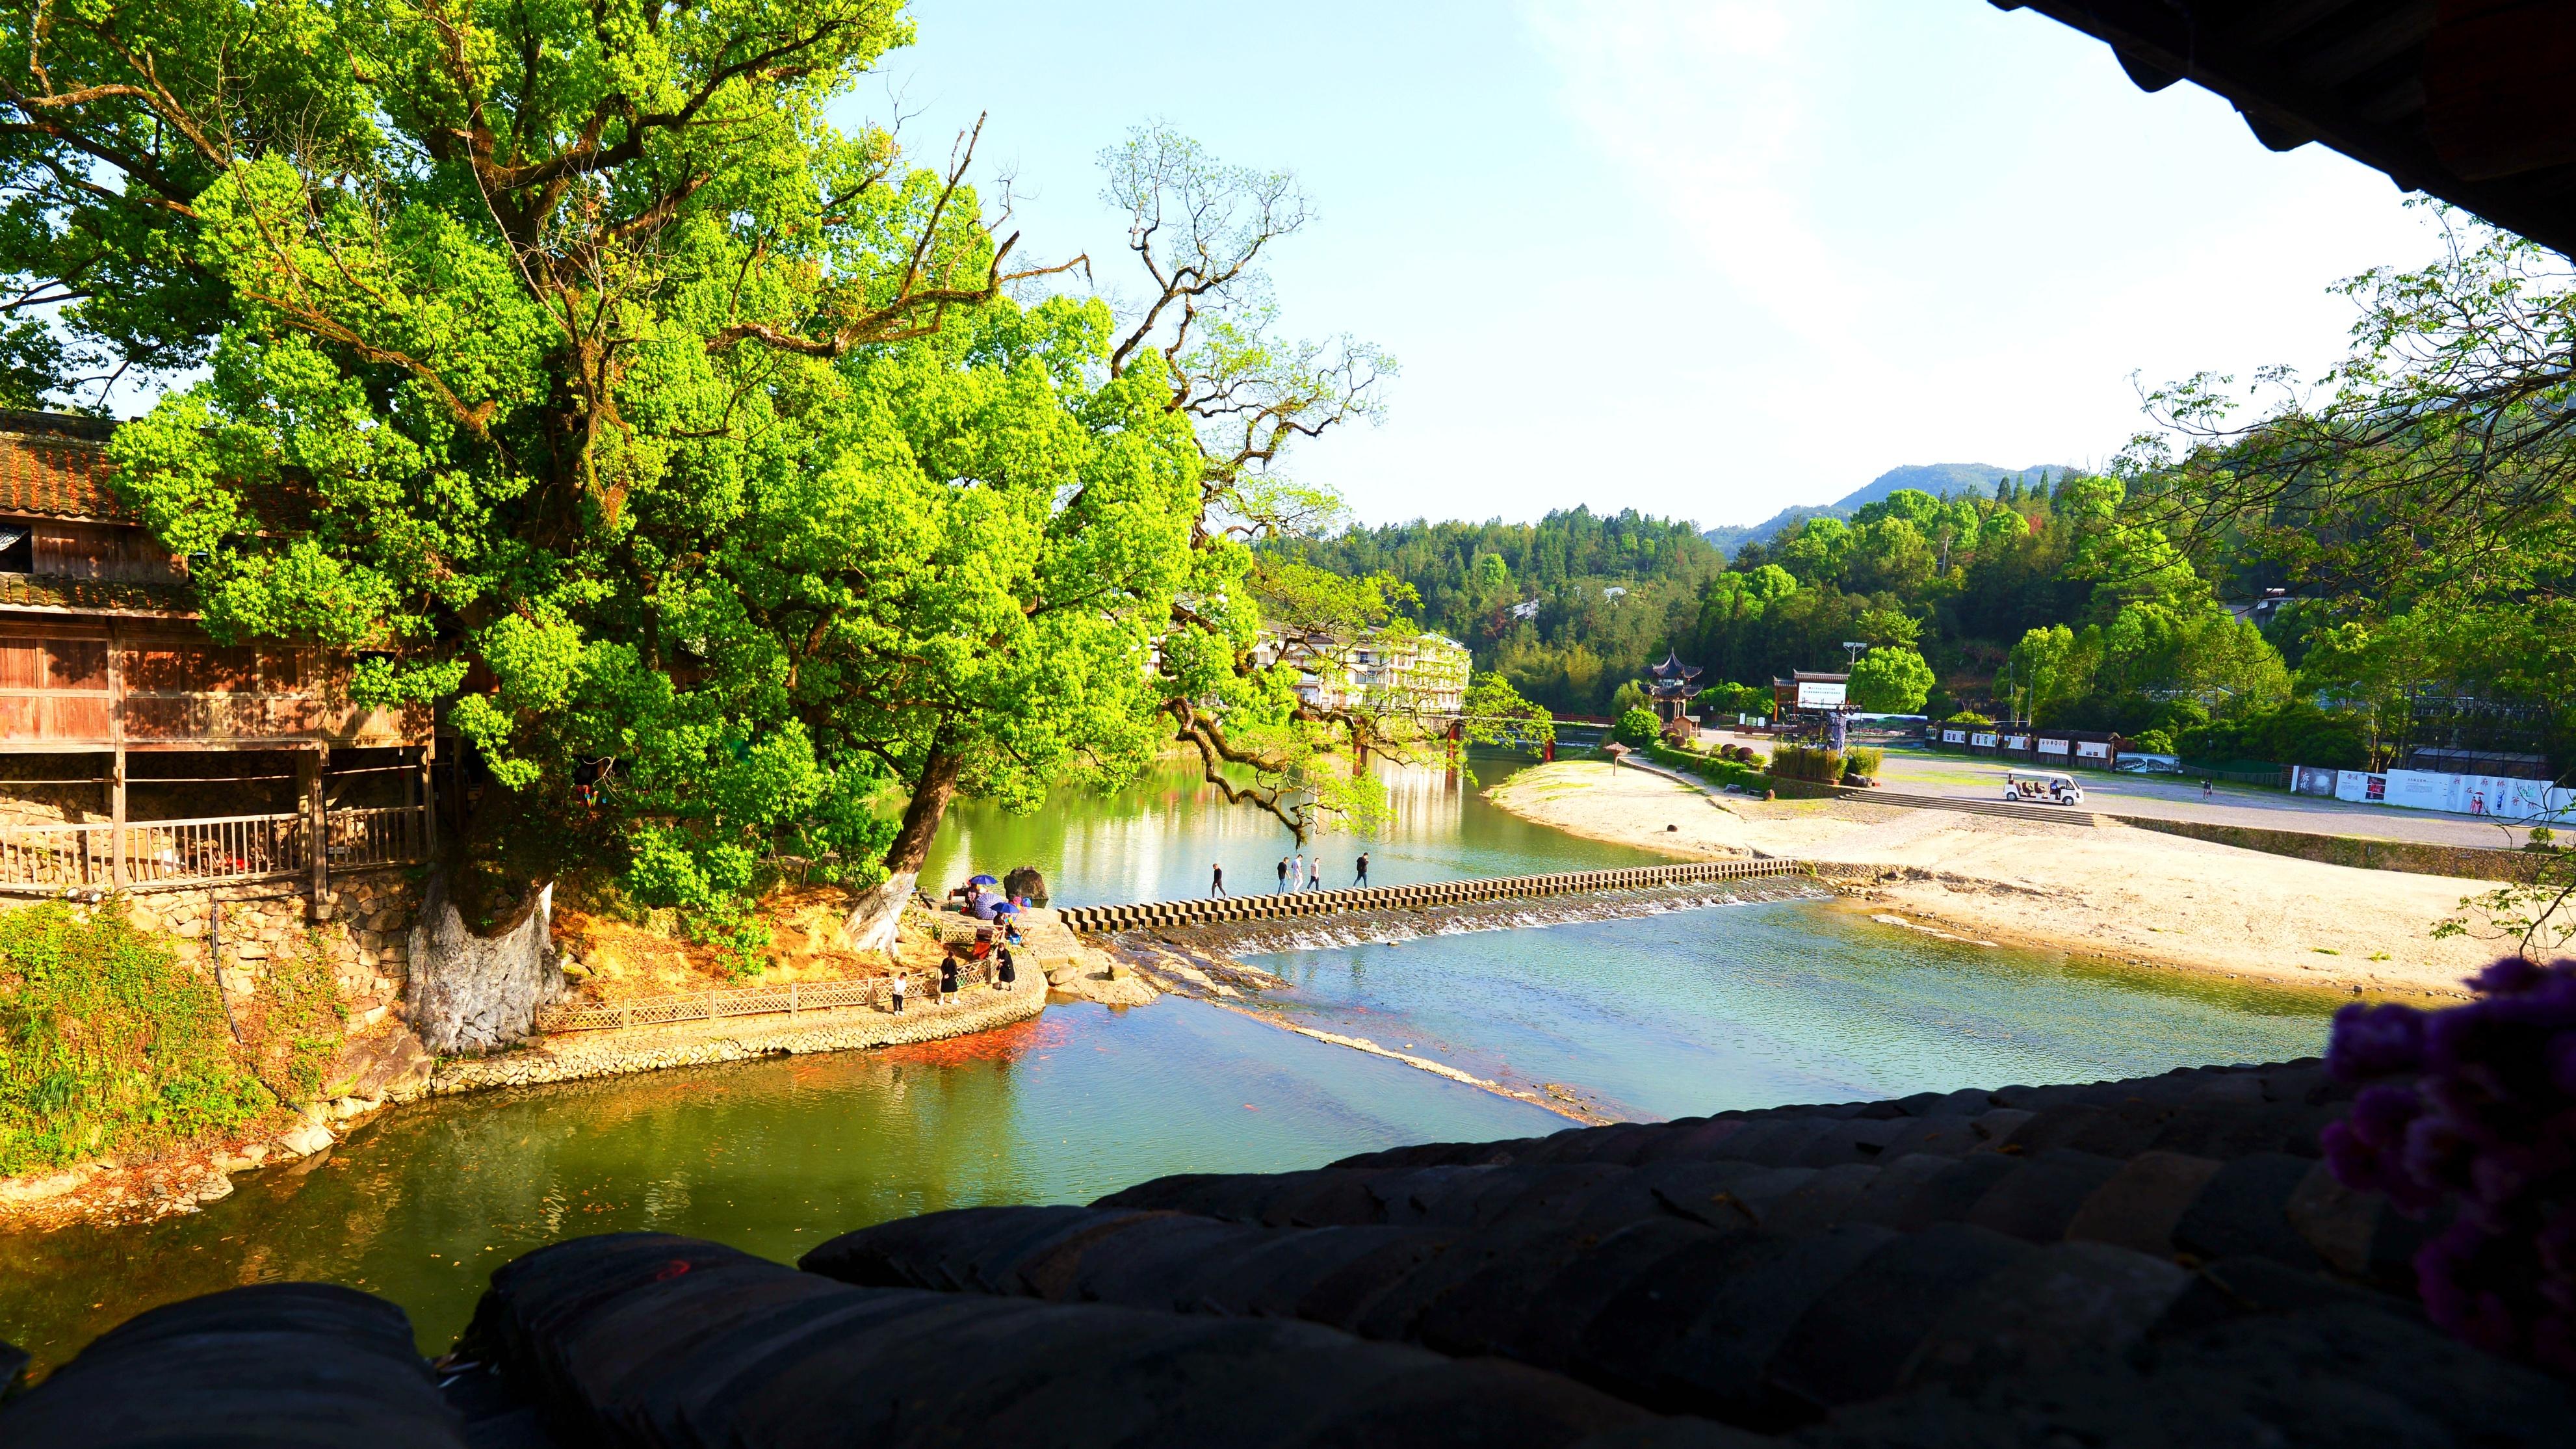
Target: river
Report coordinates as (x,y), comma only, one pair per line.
(1662,1015)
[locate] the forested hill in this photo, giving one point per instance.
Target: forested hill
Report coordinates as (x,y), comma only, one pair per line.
(2103,623)
(1595,593)
(1954,480)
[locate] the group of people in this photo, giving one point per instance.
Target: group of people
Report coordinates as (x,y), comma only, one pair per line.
(957,955)
(1296,873)
(983,898)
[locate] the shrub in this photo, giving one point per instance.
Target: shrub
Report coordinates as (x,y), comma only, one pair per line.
(1863,761)
(1968,717)
(2155,742)
(1807,762)
(109,1045)
(1637,728)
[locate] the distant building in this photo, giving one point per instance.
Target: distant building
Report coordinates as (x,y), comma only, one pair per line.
(1526,609)
(1419,674)
(1668,686)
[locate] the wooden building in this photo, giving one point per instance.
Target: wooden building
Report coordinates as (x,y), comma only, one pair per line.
(1668,687)
(135,750)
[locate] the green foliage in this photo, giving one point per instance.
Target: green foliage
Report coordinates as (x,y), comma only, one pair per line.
(2295,733)
(1890,680)
(2418,500)
(1629,696)
(1968,717)
(562,345)
(1582,645)
(1734,699)
(1497,715)
(1807,762)
(1636,727)
(1863,761)
(1882,628)
(1715,768)
(109,1046)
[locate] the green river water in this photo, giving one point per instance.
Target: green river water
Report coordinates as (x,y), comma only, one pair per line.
(1661,1015)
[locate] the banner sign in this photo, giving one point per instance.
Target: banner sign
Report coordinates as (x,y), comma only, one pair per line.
(2502,797)
(1821,696)
(1982,741)
(2310,780)
(2132,763)
(1954,737)
(2052,747)
(2016,742)
(2092,749)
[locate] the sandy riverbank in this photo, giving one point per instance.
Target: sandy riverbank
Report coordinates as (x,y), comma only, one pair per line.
(2108,891)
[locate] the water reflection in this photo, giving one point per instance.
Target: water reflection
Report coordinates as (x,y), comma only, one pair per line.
(1156,839)
(770,1156)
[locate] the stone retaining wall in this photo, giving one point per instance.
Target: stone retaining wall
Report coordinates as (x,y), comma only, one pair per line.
(603,1054)
(1378,898)
(364,939)
(2413,857)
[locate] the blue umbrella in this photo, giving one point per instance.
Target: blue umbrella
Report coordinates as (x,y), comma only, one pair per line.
(981,880)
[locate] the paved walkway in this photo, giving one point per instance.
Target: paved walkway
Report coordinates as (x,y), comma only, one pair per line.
(2152,797)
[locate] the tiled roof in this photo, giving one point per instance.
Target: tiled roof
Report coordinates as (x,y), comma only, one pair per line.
(40,591)
(56,468)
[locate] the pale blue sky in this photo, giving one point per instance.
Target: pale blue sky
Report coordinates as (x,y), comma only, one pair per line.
(1700,259)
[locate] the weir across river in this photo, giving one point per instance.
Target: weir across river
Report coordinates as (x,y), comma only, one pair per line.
(1280,904)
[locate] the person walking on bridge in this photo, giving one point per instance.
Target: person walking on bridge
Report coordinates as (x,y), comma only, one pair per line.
(1362,882)
(1283,872)
(1216,881)
(1297,871)
(1315,875)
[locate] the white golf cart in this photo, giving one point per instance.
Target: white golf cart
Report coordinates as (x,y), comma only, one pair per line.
(2054,787)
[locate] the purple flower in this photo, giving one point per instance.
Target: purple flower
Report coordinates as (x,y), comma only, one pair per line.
(2375,1041)
(2482,1114)
(2509,976)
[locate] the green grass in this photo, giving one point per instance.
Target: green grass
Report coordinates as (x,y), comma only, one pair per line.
(110,1048)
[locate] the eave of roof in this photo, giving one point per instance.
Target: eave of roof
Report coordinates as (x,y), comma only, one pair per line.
(2462,99)
(45,594)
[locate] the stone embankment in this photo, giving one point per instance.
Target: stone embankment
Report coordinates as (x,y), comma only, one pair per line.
(571,1057)
(387,1065)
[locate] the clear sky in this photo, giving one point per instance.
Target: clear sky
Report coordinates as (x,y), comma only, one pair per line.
(1701,259)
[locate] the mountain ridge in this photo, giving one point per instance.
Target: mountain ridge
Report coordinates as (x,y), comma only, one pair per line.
(1933,478)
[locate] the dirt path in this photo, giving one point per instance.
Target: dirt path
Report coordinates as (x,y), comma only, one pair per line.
(2111,891)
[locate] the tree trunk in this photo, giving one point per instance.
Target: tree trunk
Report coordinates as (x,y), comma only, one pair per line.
(871,926)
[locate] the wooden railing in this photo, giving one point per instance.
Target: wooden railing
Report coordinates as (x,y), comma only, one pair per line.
(156,853)
(56,856)
(222,847)
(384,836)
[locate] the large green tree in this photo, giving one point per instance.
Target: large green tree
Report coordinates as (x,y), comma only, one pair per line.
(512,324)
